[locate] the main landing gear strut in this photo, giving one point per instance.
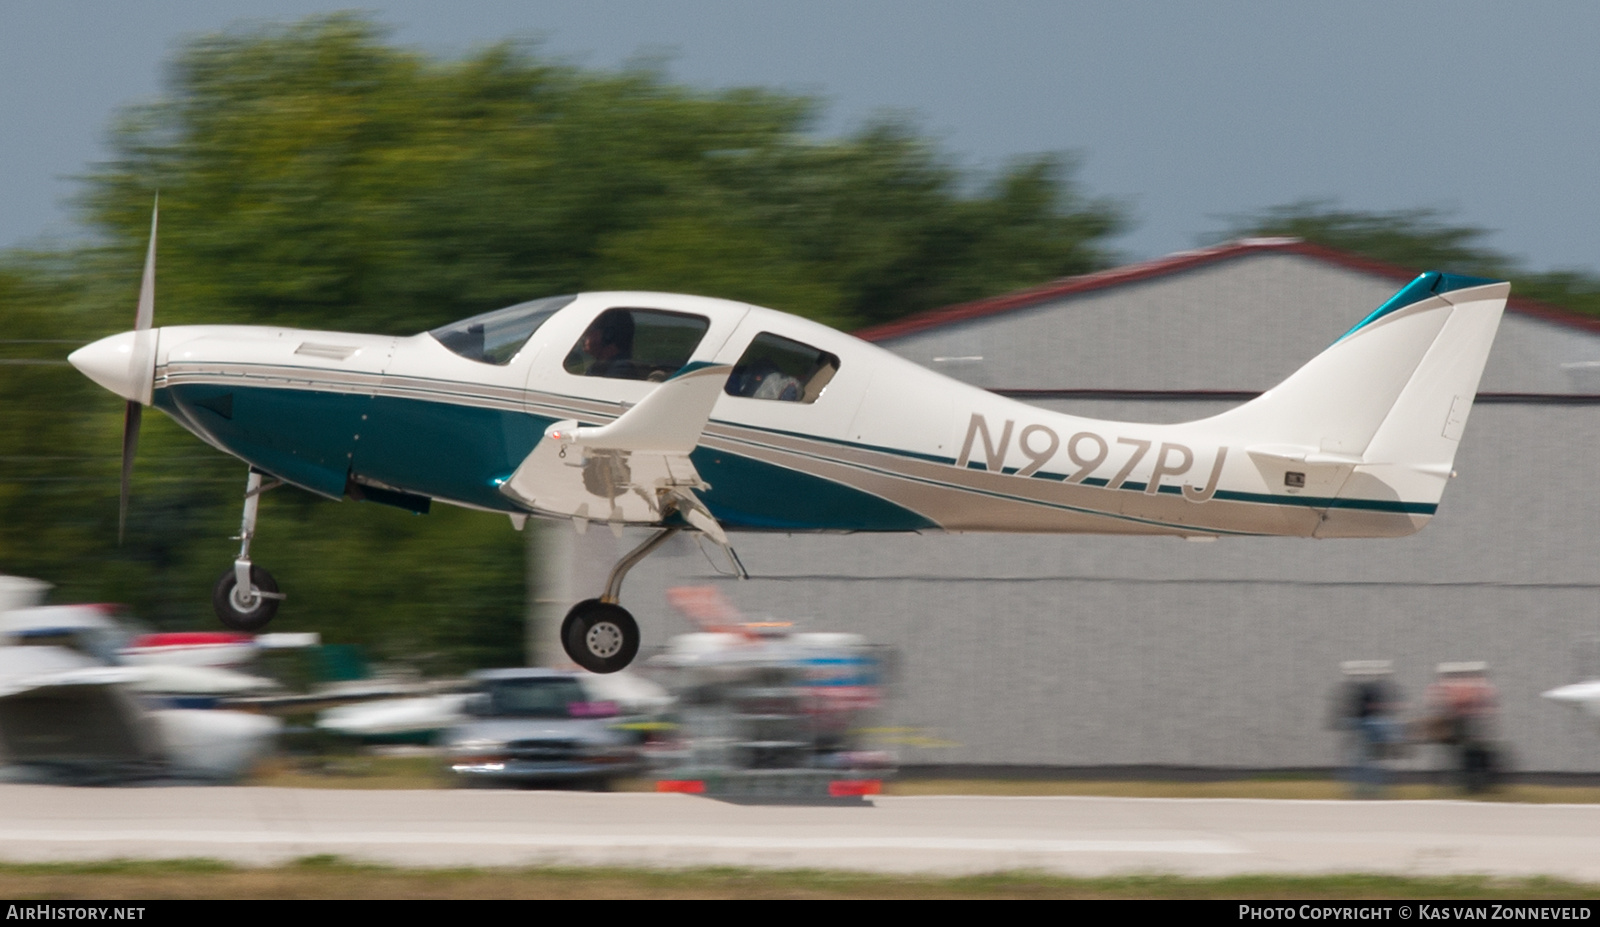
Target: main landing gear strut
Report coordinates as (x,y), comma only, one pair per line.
(598,634)
(246,597)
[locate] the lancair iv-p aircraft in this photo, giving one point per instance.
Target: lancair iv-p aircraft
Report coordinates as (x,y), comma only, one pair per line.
(685,413)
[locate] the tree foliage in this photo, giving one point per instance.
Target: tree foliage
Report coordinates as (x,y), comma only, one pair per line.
(315,175)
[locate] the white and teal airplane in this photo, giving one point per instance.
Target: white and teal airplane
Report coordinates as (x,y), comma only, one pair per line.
(685,413)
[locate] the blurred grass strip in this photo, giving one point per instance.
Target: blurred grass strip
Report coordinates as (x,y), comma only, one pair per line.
(326,877)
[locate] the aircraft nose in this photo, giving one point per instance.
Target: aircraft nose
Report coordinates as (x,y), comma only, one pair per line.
(117,363)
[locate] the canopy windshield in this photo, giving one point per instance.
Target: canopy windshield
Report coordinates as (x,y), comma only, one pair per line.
(496,337)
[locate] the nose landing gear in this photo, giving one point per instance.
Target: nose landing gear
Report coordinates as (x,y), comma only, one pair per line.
(600,635)
(246,596)
(246,611)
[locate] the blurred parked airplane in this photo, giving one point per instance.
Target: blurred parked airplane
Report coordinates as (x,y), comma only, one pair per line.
(78,704)
(688,413)
(1585,695)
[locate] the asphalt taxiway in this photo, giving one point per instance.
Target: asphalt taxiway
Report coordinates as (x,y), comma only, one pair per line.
(933,834)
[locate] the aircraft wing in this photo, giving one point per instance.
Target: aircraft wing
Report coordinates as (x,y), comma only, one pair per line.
(633,470)
(1583,694)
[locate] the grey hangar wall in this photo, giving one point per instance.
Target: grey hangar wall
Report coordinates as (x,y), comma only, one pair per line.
(1109,651)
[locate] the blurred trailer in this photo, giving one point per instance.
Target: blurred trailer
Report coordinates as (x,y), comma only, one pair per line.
(765,712)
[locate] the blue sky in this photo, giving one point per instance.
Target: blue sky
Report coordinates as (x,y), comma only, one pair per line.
(1185,112)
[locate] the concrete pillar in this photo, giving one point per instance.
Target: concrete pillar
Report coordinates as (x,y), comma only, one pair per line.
(564,568)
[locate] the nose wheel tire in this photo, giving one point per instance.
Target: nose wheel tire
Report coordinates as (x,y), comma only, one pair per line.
(246,610)
(599,636)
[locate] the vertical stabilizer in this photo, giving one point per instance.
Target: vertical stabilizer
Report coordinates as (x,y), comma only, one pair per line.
(1412,454)
(1387,402)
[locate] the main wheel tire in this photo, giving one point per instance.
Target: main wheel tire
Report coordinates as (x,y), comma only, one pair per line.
(599,636)
(239,617)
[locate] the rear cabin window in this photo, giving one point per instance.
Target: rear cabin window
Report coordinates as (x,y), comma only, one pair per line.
(496,337)
(782,369)
(636,344)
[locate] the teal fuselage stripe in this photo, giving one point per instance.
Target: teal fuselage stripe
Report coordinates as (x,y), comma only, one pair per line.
(443,451)
(1375,505)
(1261,498)
(462,453)
(310,445)
(753,494)
(1325,502)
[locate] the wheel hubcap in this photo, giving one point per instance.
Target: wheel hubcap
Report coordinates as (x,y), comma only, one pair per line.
(604,639)
(245,600)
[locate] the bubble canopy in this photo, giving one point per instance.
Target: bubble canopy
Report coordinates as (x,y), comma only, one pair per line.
(496,337)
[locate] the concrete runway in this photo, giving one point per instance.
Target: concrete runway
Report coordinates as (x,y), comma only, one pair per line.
(955,834)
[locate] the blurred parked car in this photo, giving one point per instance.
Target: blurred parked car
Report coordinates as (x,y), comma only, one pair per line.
(543,727)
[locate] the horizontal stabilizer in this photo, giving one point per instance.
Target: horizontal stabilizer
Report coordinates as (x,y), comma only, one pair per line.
(1289,453)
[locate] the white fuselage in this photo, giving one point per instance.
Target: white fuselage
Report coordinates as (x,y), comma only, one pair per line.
(887,445)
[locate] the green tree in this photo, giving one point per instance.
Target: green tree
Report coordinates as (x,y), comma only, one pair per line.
(58,439)
(315,175)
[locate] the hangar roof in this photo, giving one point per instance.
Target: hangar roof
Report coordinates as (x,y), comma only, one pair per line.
(1233,319)
(1182,261)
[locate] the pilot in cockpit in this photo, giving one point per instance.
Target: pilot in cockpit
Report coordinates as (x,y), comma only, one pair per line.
(608,343)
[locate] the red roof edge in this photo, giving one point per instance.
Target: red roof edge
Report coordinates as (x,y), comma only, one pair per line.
(1177,263)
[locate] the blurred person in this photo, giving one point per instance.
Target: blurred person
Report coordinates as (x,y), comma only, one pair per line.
(1461,708)
(608,343)
(1367,704)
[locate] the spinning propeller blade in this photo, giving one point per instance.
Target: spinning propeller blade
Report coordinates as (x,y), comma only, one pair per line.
(130,442)
(147,286)
(141,355)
